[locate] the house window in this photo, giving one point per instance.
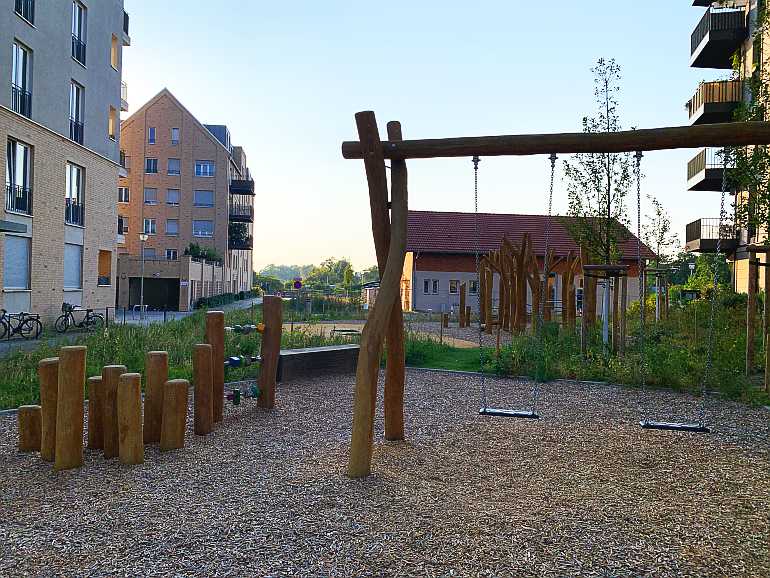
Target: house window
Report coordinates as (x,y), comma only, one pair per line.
(74,209)
(149,253)
(150,227)
(172,197)
(172,255)
(204,168)
(172,227)
(173,167)
(21,75)
(151,135)
(435,286)
(16,264)
(79,32)
(123,195)
(112,124)
(114,52)
(73,266)
(18,167)
(203,228)
(174,136)
(151,166)
(454,287)
(77,96)
(26,9)
(150,196)
(122,225)
(473,287)
(105,268)
(203,199)
(426,286)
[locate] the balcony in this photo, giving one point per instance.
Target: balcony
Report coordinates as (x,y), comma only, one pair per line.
(126,37)
(21,101)
(76,131)
(242,187)
(18,199)
(241,213)
(242,244)
(74,212)
(704,172)
(125,165)
(26,9)
(715,102)
(702,236)
(123,97)
(78,50)
(718,35)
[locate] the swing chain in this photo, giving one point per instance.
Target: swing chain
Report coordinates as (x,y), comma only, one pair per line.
(476,161)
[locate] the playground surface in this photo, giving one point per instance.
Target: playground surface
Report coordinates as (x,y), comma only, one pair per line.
(584,491)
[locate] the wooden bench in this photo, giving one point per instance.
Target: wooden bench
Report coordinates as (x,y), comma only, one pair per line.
(312,361)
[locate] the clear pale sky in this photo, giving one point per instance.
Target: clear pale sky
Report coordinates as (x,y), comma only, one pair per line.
(287,78)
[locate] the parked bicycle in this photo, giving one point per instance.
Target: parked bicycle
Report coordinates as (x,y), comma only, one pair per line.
(27,325)
(90,322)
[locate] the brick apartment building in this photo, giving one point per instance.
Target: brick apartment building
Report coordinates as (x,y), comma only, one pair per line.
(181,182)
(59,122)
(441,255)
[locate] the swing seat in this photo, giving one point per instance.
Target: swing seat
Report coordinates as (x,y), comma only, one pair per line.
(668,426)
(496,412)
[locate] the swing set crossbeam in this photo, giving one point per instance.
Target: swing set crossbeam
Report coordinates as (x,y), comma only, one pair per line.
(670,426)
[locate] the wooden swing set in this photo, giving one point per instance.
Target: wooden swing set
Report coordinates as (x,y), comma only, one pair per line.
(389,229)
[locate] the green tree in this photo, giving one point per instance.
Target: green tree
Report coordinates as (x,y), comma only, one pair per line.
(703,277)
(657,232)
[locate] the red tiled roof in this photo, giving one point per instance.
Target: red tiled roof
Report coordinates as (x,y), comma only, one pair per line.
(439,232)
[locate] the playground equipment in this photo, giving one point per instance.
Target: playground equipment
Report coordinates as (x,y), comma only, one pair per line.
(389,220)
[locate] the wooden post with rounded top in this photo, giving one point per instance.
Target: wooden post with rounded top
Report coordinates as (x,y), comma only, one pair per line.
(174,414)
(48,374)
(131,443)
(69,408)
(156,375)
(204,389)
(215,336)
(95,413)
(272,313)
(110,379)
(29,419)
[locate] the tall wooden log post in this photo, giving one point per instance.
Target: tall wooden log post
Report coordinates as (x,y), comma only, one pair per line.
(272,312)
(751,314)
(131,443)
(156,375)
(623,314)
(174,414)
(203,381)
(110,379)
(359,464)
(48,374)
(215,336)
(766,323)
(69,408)
(29,418)
(615,286)
(463,321)
(95,413)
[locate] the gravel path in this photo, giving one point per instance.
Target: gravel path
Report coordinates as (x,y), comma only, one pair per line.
(583,492)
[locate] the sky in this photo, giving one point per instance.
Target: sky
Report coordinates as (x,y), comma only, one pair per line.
(288,77)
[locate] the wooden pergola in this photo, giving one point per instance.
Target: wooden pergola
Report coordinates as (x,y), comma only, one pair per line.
(389,228)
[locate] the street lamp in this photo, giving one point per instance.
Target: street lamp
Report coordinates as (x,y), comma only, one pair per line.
(143,239)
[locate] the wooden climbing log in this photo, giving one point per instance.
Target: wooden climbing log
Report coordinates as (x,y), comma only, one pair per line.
(95,413)
(215,336)
(203,382)
(272,311)
(129,398)
(48,374)
(110,379)
(69,408)
(174,414)
(156,375)
(30,428)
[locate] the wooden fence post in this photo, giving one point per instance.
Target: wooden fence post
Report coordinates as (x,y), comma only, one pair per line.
(215,336)
(30,427)
(463,321)
(174,414)
(272,313)
(751,314)
(156,375)
(623,314)
(48,373)
(131,443)
(110,378)
(766,321)
(69,408)
(203,382)
(95,413)
(615,286)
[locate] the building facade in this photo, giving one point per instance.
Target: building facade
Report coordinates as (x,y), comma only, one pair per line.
(182,184)
(59,122)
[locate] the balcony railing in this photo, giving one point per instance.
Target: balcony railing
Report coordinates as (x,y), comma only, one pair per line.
(125,22)
(715,101)
(702,236)
(78,50)
(74,212)
(242,187)
(242,244)
(708,158)
(18,199)
(725,29)
(242,213)
(21,101)
(26,9)
(76,131)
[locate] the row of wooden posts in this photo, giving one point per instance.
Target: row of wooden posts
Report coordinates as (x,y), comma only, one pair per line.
(116,425)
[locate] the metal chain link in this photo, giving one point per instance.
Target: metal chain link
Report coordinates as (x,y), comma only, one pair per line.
(476,161)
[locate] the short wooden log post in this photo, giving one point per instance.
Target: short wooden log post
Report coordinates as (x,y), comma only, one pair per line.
(110,379)
(48,374)
(95,413)
(463,321)
(156,375)
(203,382)
(215,336)
(174,414)
(69,408)
(468,312)
(751,315)
(30,427)
(272,312)
(129,399)
(445,320)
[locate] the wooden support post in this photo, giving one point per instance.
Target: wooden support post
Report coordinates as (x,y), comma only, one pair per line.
(615,313)
(766,322)
(174,414)
(468,312)
(48,374)
(203,381)
(463,321)
(215,336)
(623,314)
(482,294)
(156,375)
(445,320)
(95,413)
(110,379)
(751,315)
(131,443)
(69,408)
(490,286)
(30,428)
(272,312)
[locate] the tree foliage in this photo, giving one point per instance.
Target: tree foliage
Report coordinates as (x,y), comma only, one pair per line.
(657,234)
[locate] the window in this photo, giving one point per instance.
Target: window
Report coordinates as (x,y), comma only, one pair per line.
(203,228)
(435,286)
(172,254)
(204,169)
(150,227)
(18,167)
(122,225)
(123,195)
(172,226)
(114,52)
(21,75)
(151,166)
(73,266)
(174,136)
(77,93)
(203,199)
(16,266)
(74,210)
(149,253)
(151,135)
(79,32)
(454,287)
(426,286)
(173,167)
(474,287)
(105,268)
(112,125)
(26,9)
(172,197)
(150,196)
